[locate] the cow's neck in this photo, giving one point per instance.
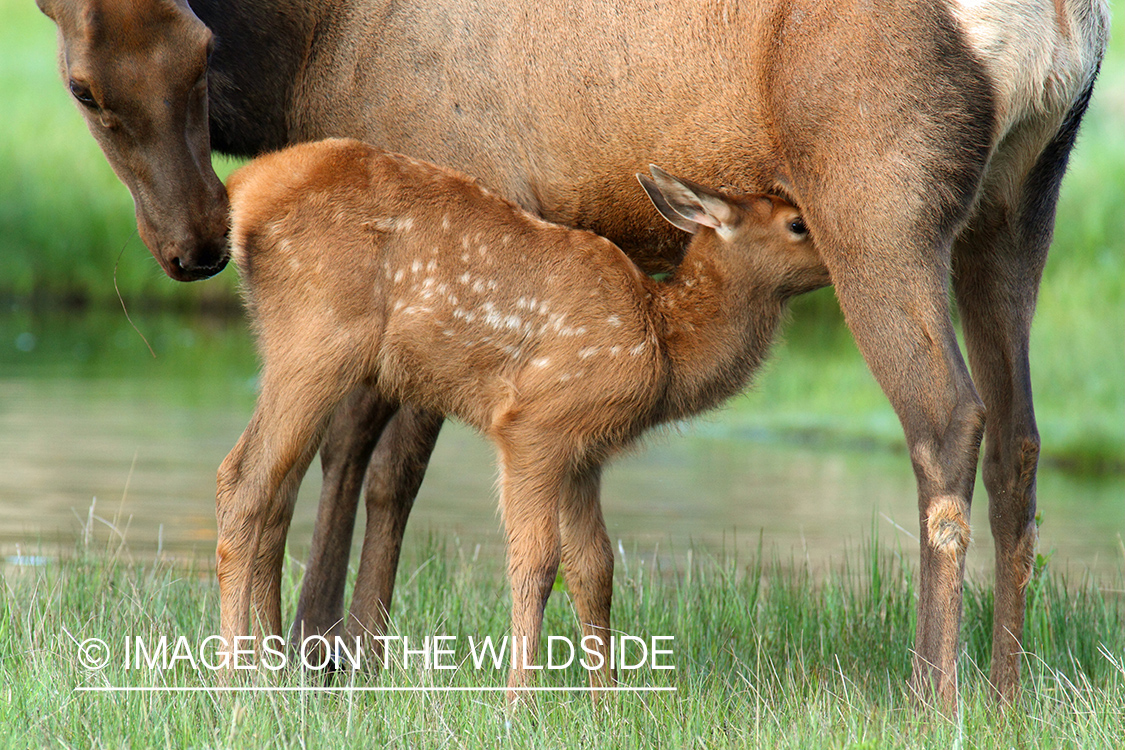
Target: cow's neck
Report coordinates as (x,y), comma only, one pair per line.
(261,48)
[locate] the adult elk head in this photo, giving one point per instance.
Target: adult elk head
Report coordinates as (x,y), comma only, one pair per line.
(138,71)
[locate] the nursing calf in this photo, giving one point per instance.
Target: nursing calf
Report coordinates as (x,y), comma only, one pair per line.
(363,268)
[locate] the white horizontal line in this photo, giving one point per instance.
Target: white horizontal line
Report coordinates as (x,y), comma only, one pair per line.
(359,689)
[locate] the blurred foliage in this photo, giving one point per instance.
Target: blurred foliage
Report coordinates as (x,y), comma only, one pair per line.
(66,229)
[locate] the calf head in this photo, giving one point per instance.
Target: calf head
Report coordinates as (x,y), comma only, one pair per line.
(764,234)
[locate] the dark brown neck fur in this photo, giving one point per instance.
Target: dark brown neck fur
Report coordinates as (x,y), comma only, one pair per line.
(260,49)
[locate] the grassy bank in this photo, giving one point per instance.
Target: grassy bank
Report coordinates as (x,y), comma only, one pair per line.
(765,655)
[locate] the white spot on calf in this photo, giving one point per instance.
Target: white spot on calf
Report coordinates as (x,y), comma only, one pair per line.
(634,351)
(540,362)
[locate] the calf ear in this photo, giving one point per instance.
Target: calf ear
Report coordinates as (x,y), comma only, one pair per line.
(696,203)
(48,7)
(657,198)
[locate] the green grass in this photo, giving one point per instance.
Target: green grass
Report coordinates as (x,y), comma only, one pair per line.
(766,654)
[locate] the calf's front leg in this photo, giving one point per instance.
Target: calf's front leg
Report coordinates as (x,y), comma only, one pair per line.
(587,557)
(531,476)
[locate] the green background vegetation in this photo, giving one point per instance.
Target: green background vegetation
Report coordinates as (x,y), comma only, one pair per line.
(65,220)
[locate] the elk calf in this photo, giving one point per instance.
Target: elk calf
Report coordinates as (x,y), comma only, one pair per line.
(367,268)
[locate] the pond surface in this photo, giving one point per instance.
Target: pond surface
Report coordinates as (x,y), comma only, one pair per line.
(91,426)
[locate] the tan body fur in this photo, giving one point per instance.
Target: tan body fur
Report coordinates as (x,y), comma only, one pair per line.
(362,267)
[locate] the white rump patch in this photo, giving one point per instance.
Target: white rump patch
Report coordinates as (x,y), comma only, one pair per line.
(1036,67)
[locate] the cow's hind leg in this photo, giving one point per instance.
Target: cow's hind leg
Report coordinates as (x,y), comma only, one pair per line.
(998,263)
(907,338)
(891,275)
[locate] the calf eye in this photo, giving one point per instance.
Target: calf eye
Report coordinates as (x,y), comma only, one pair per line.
(83,95)
(797,227)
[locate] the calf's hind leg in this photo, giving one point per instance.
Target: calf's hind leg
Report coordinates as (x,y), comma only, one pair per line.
(256,484)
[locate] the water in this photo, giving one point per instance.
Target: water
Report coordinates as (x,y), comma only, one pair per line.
(96,433)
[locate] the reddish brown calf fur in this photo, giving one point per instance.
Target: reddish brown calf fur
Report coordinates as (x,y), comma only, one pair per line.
(367,268)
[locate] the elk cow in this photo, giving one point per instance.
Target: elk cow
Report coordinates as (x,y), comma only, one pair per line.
(922,142)
(361,266)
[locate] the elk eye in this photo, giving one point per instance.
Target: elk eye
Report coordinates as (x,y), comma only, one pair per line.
(83,95)
(797,227)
